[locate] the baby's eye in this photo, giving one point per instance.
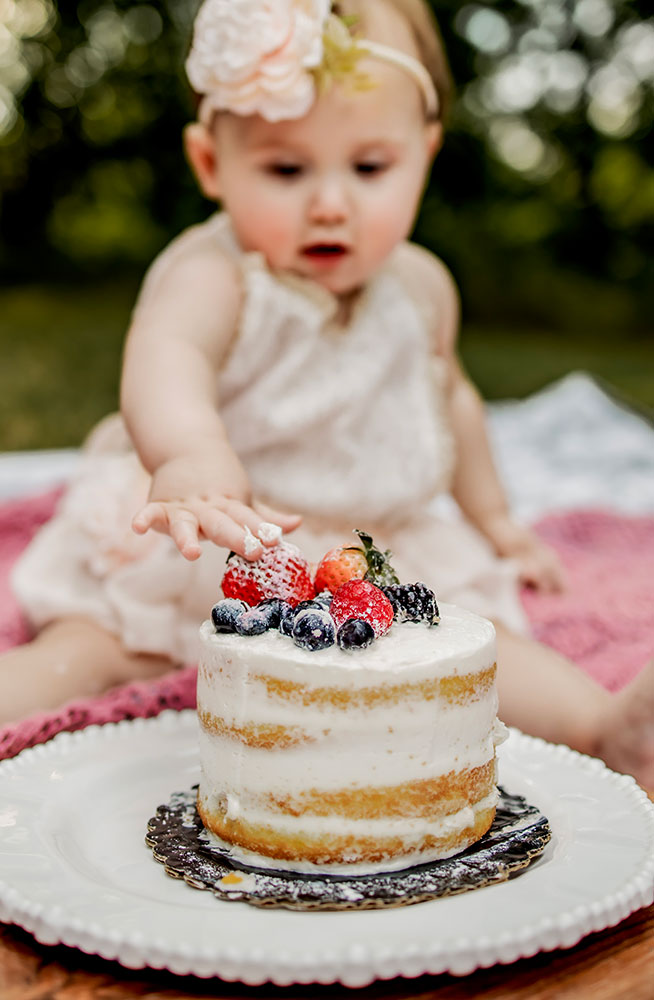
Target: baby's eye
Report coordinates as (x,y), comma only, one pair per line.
(368,168)
(284,169)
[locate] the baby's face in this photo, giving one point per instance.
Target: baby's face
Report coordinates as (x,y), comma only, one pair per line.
(329,196)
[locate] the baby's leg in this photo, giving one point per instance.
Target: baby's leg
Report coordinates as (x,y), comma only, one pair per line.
(69,659)
(543,693)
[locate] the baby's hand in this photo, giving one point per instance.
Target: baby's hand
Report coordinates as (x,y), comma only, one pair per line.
(191,500)
(538,565)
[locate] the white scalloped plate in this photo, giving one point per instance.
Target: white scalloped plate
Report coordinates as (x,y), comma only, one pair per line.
(74,869)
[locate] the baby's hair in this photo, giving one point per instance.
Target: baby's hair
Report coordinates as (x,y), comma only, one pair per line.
(429,42)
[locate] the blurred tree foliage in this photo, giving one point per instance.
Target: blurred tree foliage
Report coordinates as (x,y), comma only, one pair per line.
(542,201)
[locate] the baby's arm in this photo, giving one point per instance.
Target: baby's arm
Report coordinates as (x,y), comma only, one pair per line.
(477,489)
(476,485)
(169,401)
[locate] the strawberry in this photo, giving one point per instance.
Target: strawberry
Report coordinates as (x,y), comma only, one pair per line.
(282,571)
(338,566)
(363,600)
(354,562)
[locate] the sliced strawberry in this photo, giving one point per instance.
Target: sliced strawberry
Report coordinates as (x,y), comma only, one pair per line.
(361,599)
(282,571)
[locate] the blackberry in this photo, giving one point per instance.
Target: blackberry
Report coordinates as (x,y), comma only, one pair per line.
(255,621)
(314,629)
(355,633)
(225,613)
(413,602)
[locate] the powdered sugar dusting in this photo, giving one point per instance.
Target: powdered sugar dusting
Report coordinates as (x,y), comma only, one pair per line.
(518,835)
(252,545)
(279,571)
(269,533)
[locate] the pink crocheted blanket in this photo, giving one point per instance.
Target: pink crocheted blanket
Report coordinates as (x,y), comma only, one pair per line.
(604,622)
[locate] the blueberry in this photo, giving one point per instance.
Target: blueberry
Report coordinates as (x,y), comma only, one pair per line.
(286,618)
(324,599)
(225,613)
(254,621)
(355,633)
(312,603)
(275,606)
(314,629)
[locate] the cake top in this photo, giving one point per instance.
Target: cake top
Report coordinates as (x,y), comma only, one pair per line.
(350,601)
(463,643)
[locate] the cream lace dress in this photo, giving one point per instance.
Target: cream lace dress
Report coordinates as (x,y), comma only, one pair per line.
(342,424)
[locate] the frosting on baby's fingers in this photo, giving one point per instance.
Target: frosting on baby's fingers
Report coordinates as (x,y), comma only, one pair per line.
(269,533)
(252,545)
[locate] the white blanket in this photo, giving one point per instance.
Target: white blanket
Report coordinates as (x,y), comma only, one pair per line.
(571,446)
(564,448)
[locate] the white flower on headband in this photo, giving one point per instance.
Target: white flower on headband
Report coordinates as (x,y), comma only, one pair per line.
(257,56)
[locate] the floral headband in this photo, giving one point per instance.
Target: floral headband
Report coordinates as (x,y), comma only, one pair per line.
(273,57)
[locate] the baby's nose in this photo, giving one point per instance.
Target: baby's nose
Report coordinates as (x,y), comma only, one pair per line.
(329,202)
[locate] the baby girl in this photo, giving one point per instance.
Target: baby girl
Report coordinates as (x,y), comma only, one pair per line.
(292,361)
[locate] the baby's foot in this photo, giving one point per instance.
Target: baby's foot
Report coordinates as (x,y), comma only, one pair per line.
(626,742)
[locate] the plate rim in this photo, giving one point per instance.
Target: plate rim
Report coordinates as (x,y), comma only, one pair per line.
(358,964)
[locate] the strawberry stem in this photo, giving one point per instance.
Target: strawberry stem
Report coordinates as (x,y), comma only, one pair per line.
(380,572)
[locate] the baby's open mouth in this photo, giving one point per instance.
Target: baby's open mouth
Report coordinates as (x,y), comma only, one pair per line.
(328,251)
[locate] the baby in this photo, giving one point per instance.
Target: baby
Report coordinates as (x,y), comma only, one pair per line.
(292,362)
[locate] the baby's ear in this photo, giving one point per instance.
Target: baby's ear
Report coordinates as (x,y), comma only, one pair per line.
(202,153)
(433,138)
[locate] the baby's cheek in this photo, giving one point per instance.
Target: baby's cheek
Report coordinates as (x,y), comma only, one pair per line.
(387,227)
(264,226)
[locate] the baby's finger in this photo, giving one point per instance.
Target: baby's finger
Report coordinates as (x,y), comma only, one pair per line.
(184,531)
(542,574)
(221,529)
(546,582)
(152,516)
(557,577)
(246,516)
(287,522)
(532,575)
(526,578)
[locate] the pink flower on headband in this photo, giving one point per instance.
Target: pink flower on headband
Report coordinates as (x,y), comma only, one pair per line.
(256,56)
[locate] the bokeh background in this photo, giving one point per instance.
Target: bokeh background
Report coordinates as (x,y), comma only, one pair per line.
(541,203)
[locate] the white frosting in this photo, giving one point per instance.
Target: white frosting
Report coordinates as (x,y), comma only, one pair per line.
(269,532)
(409,829)
(251,544)
(420,746)
(463,643)
(379,742)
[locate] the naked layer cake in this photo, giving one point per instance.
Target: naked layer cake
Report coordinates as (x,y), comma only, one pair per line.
(340,743)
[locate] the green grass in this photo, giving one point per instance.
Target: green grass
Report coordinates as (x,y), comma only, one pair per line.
(512,363)
(61,350)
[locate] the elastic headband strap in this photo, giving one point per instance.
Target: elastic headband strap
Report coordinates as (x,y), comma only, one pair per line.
(385,53)
(410,65)
(282,83)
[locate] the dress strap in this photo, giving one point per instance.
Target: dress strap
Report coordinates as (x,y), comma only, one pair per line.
(411,277)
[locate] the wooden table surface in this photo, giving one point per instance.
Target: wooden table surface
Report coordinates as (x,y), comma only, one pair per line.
(611,965)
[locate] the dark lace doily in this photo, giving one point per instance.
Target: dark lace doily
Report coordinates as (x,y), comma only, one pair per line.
(179,842)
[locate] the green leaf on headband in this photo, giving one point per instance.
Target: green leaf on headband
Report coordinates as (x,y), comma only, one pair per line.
(341,56)
(350,20)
